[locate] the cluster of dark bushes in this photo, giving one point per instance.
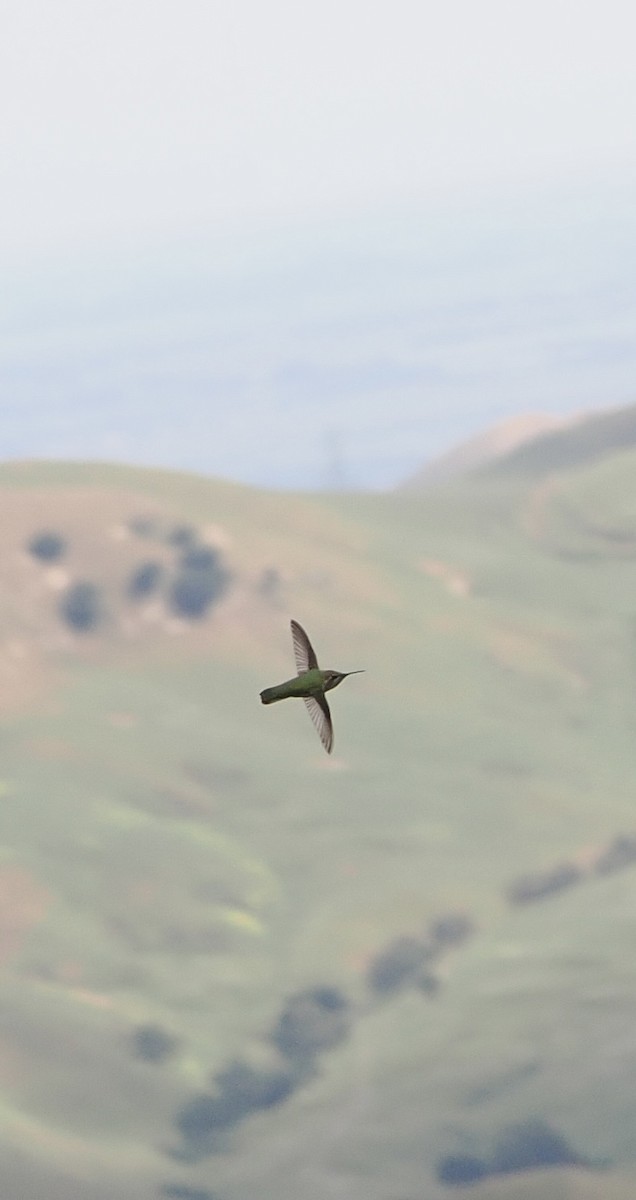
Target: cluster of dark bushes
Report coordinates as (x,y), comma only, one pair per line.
(311,1023)
(409,961)
(240,1090)
(81,605)
(201,580)
(528,1146)
(200,577)
(197,581)
(616,856)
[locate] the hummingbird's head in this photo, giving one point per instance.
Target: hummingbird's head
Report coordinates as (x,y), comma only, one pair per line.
(333,678)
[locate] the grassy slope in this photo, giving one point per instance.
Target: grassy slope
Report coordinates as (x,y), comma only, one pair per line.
(171,852)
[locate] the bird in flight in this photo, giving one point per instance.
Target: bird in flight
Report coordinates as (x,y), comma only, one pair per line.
(310,685)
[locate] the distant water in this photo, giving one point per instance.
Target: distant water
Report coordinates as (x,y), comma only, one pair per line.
(341,356)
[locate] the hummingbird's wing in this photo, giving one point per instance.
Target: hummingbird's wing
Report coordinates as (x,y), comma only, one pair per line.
(303,650)
(318,710)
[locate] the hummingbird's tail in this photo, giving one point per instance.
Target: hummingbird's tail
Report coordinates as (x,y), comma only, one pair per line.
(269,695)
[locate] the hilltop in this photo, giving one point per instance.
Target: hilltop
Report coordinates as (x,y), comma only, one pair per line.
(589,440)
(532,445)
(237,968)
(485,448)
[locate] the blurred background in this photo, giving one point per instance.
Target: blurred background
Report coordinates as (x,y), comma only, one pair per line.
(325,312)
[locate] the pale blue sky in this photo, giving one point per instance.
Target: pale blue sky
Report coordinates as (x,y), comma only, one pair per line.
(225,222)
(140,118)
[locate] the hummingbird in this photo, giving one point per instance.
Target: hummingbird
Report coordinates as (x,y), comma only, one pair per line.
(310,685)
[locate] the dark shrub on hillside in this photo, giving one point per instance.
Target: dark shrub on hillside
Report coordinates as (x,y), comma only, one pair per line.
(144,527)
(152,1043)
(241,1090)
(200,558)
(529,1145)
(270,583)
(47,545)
(181,535)
(248,1088)
(398,964)
(427,983)
(619,854)
(451,929)
(193,593)
(145,580)
(80,607)
(458,1169)
(312,1022)
(203,1115)
(200,584)
(529,888)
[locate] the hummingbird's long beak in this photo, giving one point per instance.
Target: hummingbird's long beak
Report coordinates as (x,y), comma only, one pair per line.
(345,673)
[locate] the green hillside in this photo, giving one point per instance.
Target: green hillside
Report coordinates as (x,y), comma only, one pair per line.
(237,969)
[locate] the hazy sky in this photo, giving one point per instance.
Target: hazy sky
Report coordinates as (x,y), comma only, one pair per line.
(145,118)
(395,221)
